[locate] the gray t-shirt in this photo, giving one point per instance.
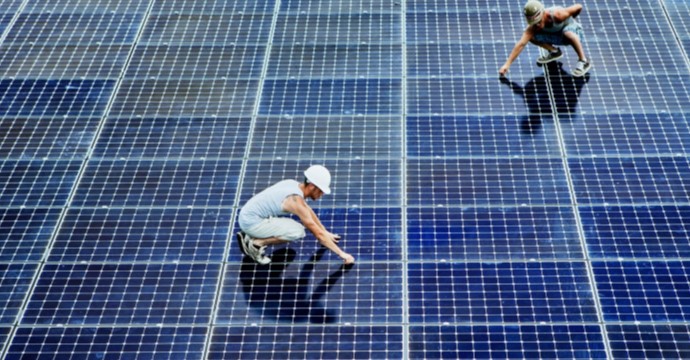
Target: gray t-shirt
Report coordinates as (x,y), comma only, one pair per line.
(268,203)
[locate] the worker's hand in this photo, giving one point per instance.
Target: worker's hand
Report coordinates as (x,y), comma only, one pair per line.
(348,259)
(503,70)
(334,237)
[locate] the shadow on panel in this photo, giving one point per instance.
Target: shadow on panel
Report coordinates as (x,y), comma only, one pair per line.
(566,90)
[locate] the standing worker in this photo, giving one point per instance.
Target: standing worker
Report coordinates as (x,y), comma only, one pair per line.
(263,219)
(547,27)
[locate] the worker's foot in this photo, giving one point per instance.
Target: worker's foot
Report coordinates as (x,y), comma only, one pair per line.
(260,256)
(551,56)
(251,250)
(581,68)
(243,239)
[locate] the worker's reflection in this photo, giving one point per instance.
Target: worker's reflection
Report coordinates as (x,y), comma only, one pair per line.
(566,91)
(288,299)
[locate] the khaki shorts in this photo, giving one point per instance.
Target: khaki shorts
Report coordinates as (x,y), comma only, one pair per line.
(280,227)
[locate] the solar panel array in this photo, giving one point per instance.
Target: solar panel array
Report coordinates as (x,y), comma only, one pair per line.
(534,216)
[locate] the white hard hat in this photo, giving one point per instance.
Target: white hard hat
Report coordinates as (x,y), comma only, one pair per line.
(319,176)
(534,11)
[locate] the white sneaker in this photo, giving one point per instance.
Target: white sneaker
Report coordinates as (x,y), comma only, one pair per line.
(581,68)
(549,57)
(249,249)
(243,239)
(260,257)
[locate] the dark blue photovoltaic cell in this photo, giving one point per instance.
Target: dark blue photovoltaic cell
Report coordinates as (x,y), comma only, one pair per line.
(355,183)
(679,13)
(499,292)
(355,28)
(302,342)
(507,342)
(630,180)
(106,294)
(499,135)
(473,96)
(472,182)
(36,183)
(4,335)
(624,4)
(142,235)
(616,23)
(25,233)
(474,6)
(87,6)
(54,97)
(367,234)
(658,341)
(338,137)
(23,138)
(492,234)
(440,27)
(630,94)
(319,292)
(15,282)
(335,61)
(187,98)
(206,29)
(637,232)
(173,138)
(75,28)
(173,343)
(651,57)
(5,21)
(338,6)
(458,59)
(643,291)
(213,6)
(627,134)
(158,183)
(331,97)
(554,91)
(218,61)
(68,61)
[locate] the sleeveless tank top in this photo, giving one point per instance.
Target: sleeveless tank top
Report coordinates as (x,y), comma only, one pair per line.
(268,203)
(555,27)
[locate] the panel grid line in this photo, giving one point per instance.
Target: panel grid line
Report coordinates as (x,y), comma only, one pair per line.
(676,36)
(576,212)
(11,23)
(238,195)
(403,117)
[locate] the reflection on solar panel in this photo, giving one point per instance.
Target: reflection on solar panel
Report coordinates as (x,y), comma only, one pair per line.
(534,216)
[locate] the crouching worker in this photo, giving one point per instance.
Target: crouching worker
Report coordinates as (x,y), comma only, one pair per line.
(263,220)
(548,28)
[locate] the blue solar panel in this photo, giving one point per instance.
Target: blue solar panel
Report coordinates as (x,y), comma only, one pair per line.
(663,341)
(637,232)
(54,97)
(109,294)
(643,290)
(15,281)
(537,215)
(352,342)
(162,183)
(500,292)
(507,342)
(36,182)
(179,343)
(526,233)
(141,235)
(25,232)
